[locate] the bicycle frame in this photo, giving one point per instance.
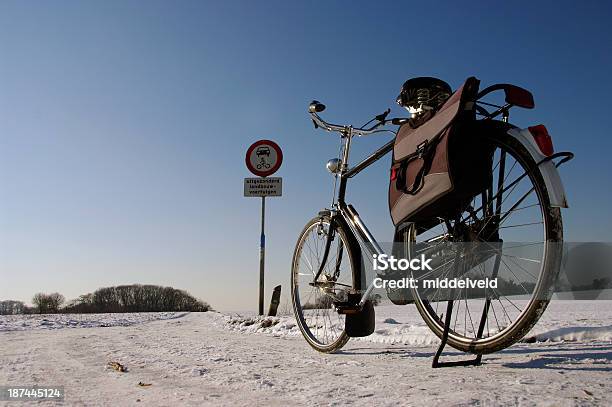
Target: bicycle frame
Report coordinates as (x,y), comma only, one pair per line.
(347,211)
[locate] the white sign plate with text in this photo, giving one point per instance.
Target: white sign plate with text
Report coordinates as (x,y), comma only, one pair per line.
(259,187)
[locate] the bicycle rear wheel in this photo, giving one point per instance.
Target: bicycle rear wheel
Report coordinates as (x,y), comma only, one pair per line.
(514,209)
(316,316)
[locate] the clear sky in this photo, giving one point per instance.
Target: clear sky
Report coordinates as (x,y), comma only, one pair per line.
(123,125)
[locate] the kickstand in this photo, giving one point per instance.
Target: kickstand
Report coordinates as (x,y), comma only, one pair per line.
(447,322)
(436,363)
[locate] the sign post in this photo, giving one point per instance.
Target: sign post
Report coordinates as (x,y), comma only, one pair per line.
(263,158)
(262,254)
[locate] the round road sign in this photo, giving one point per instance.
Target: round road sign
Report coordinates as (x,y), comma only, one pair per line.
(264,158)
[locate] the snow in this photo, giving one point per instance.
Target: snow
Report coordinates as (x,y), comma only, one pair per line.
(567,320)
(229,359)
(59,321)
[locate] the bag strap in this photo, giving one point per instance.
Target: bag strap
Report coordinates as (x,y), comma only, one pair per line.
(425,152)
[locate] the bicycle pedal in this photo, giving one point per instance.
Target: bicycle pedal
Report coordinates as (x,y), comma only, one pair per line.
(350,306)
(345,308)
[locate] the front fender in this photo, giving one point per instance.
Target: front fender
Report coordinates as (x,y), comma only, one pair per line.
(548,169)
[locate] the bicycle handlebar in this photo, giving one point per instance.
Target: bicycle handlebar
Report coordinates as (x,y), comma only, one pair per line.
(317,107)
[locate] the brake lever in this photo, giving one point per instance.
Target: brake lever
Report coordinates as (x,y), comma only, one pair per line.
(383,116)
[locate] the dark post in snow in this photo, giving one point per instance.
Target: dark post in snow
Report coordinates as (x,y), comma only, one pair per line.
(275,301)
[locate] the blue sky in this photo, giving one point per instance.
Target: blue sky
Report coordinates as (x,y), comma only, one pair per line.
(123,125)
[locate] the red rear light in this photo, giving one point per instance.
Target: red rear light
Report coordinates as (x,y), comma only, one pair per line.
(542,138)
(393,174)
(519,97)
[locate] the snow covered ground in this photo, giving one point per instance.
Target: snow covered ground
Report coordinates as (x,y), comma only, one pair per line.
(28,322)
(218,359)
(563,321)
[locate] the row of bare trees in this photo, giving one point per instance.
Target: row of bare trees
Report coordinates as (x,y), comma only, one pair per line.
(137,298)
(12,307)
(124,298)
(48,303)
(43,304)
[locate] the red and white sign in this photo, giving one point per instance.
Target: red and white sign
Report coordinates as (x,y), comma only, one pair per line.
(264,158)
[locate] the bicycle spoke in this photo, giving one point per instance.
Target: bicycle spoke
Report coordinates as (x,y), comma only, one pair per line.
(520,225)
(313,300)
(508,207)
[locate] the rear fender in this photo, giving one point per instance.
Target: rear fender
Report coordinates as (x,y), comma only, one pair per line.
(515,95)
(548,169)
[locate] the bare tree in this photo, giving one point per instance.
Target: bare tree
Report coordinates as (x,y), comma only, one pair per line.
(12,307)
(41,302)
(55,301)
(48,303)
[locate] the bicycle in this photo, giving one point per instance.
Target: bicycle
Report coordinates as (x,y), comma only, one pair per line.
(329,290)
(262,163)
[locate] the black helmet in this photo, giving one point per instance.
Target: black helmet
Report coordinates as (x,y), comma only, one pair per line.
(424,93)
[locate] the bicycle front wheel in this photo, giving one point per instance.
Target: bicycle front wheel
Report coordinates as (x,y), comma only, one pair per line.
(312,296)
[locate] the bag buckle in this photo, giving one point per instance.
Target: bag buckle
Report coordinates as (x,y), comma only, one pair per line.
(421,148)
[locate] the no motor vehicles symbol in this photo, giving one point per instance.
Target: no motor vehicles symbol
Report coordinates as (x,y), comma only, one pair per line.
(264,158)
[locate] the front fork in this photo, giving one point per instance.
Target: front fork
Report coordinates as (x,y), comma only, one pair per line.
(359,230)
(331,233)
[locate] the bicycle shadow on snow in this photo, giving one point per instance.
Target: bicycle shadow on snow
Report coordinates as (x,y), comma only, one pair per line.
(596,358)
(568,359)
(401,352)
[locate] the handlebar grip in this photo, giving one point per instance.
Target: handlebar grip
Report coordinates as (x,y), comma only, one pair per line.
(316,107)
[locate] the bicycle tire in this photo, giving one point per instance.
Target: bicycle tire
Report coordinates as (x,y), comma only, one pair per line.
(354,256)
(551,267)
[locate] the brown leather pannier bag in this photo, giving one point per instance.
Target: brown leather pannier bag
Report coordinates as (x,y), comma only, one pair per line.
(439,166)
